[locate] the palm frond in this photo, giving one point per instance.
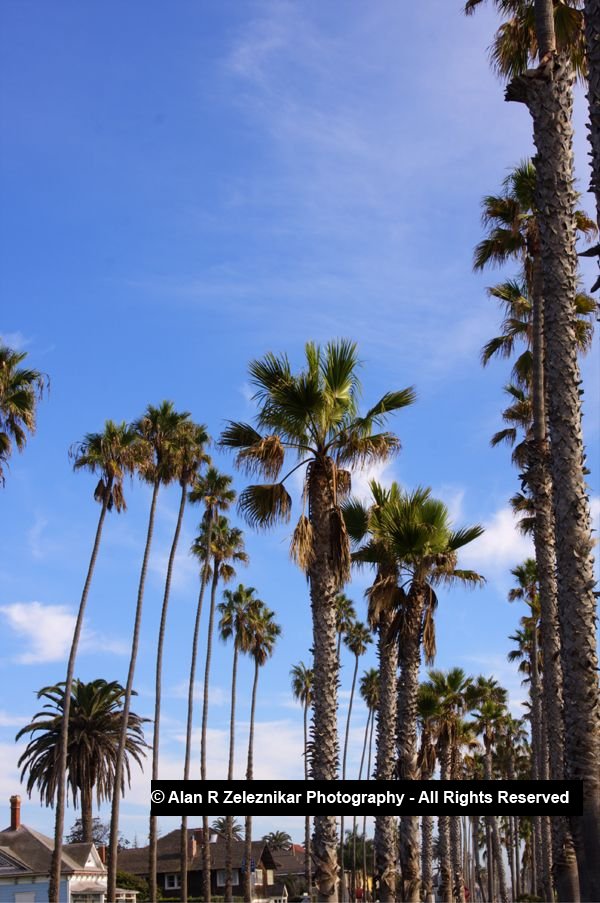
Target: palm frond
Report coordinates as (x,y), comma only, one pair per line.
(340,547)
(356,516)
(391,401)
(353,448)
(302,545)
(464,536)
(508,435)
(263,505)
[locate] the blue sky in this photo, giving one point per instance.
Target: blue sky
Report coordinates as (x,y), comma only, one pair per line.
(183,189)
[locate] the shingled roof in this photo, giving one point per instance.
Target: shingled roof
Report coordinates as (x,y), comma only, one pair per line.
(32,852)
(168,859)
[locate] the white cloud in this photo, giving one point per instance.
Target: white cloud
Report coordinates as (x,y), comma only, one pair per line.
(48,631)
(381,471)
(500,546)
(15,340)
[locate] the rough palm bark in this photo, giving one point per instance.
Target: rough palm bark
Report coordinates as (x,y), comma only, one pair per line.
(426,774)
(307,853)
(323,588)
(564,863)
(592,40)
(445,757)
(547,92)
(183,848)
(495,849)
(114,816)
(458,879)
(540,849)
(153,837)
(59,824)
(410,661)
(385,764)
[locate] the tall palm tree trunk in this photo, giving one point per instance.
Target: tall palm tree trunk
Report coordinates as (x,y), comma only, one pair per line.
(494,849)
(369,732)
(444,827)
(205,826)
(564,863)
(548,95)
(427,858)
(385,763)
(114,816)
(183,848)
(153,838)
(249,777)
(307,856)
(364,828)
(540,850)
(87,821)
(344,889)
(458,878)
(324,584)
(592,39)
(229,820)
(410,661)
(476,861)
(59,821)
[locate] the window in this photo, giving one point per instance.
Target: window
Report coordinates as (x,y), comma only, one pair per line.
(171,882)
(258,876)
(222,877)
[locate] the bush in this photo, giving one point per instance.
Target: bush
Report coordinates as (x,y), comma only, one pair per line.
(131,882)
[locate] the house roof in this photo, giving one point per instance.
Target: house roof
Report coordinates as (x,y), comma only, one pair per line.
(289,862)
(33,852)
(168,859)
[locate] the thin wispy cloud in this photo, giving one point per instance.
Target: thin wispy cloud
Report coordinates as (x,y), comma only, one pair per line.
(46,632)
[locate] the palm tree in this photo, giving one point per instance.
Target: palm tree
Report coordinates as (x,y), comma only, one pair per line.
(488,700)
(357,639)
(20,390)
(345,616)
(213,491)
(528,651)
(111,454)
(428,709)
(383,595)
(278,840)
(448,692)
(411,533)
(302,689)
(95,715)
(263,633)
(226,545)
(157,432)
(188,442)
(235,622)
(369,690)
(514,231)
(314,415)
(220,826)
(547,93)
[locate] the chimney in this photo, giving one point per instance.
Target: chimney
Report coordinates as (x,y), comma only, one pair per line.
(15,812)
(102,853)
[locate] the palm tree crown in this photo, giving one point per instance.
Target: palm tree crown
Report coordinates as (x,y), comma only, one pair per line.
(20,389)
(95,716)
